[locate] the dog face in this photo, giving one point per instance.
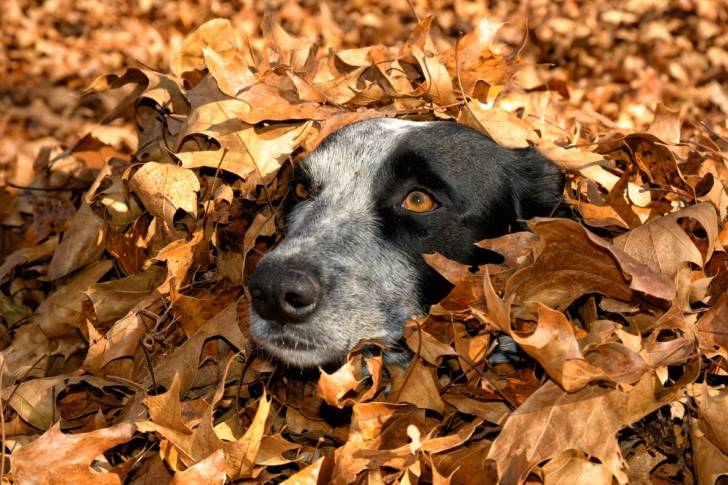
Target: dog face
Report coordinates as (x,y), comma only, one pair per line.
(364,206)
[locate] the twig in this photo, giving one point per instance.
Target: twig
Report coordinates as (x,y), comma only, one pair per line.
(490,381)
(149,364)
(214,186)
(43,189)
(414,12)
(246,365)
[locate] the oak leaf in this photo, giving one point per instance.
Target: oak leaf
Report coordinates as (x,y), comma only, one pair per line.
(59,458)
(663,245)
(552,421)
(166,189)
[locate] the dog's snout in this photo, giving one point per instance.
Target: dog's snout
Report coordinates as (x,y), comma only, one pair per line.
(282,294)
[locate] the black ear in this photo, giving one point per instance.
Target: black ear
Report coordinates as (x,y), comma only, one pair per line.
(538,186)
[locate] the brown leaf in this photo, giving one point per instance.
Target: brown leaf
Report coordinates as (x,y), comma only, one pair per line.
(576,468)
(60,313)
(113,299)
(193,312)
(491,411)
(29,351)
(417,385)
(476,60)
(315,473)
(465,462)
(623,364)
(713,326)
(712,406)
(663,245)
(374,426)
(272,449)
(438,85)
(185,358)
(592,266)
(467,285)
(445,443)
(710,462)
(210,471)
(503,127)
(165,189)
(28,255)
(129,249)
(589,164)
(257,102)
(217,35)
(58,458)
(553,344)
(182,257)
(666,124)
(552,421)
(34,401)
(425,345)
(232,75)
(155,86)
(246,150)
(165,409)
(241,455)
(333,387)
(83,243)
(121,340)
(264,224)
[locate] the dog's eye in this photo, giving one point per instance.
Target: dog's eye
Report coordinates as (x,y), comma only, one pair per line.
(419,201)
(301,191)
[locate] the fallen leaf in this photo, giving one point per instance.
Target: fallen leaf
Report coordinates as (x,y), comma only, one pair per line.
(28,255)
(333,387)
(58,458)
(247,151)
(713,326)
(663,245)
(82,243)
(551,421)
(556,280)
(712,404)
(417,385)
(210,471)
(574,467)
(166,189)
(113,299)
(61,312)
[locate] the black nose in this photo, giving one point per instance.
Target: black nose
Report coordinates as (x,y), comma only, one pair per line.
(284,294)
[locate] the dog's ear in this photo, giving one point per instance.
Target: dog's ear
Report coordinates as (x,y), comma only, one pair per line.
(538,187)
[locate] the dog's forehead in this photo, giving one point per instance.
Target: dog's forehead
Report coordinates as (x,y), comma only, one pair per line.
(357,151)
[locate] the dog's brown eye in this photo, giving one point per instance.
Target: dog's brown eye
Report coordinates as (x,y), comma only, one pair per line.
(301,191)
(418,201)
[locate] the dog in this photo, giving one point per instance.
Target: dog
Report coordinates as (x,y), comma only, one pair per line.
(362,209)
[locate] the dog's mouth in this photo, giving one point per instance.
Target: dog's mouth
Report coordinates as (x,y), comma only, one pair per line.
(283,337)
(292,344)
(289,342)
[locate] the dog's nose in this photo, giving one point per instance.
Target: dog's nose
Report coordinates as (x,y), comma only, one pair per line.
(286,295)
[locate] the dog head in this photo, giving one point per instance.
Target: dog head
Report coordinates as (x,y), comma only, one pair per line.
(363,207)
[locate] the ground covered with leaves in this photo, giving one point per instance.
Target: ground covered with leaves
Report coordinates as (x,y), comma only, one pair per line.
(146,152)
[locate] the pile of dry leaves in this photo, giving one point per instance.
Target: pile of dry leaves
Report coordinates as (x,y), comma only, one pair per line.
(126,254)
